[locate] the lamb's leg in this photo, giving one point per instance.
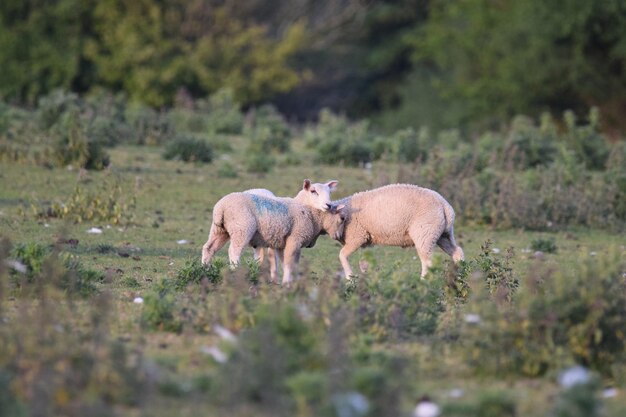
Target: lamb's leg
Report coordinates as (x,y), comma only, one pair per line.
(258,255)
(238,241)
(290,262)
(346,251)
(217,239)
(272,255)
(424,241)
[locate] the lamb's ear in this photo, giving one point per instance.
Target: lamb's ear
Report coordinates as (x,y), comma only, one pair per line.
(332,184)
(307,184)
(340,207)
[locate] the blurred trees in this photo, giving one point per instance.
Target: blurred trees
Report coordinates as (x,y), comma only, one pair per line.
(147,48)
(502,57)
(418,62)
(41,46)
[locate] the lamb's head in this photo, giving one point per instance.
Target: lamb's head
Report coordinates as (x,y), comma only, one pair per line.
(316,195)
(334,221)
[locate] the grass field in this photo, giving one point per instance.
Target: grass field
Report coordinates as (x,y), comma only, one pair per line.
(163,229)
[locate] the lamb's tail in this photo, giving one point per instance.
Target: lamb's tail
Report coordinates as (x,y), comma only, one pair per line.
(447,241)
(449,215)
(218,216)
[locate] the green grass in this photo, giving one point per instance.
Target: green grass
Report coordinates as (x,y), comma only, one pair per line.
(178,198)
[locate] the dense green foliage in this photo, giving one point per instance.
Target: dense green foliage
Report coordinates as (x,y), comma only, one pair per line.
(148,49)
(503,58)
(435,63)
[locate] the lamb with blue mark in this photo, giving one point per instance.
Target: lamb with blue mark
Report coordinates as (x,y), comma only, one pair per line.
(283,224)
(314,195)
(265,205)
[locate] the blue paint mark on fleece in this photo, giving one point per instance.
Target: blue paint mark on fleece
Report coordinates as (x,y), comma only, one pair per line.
(267,205)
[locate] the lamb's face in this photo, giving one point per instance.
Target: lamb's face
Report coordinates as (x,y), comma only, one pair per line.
(335,221)
(316,195)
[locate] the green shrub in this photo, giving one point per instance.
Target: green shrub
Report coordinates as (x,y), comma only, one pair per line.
(257,160)
(60,360)
(73,146)
(227,170)
(106,204)
(501,280)
(280,346)
(396,304)
(188,149)
(32,255)
(487,404)
(223,113)
(10,405)
(195,272)
(544,245)
(269,129)
(529,146)
(188,120)
(52,107)
(558,318)
(42,266)
(78,279)
(148,126)
(580,400)
(159,309)
(410,145)
(336,140)
(105,248)
(589,145)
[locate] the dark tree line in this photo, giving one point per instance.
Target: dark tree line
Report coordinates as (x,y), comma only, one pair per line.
(427,62)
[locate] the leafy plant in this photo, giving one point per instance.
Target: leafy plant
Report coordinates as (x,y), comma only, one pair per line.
(560,317)
(257,160)
(223,113)
(269,129)
(547,245)
(159,308)
(73,146)
(149,127)
(32,255)
(502,282)
(195,272)
(107,204)
(188,149)
(71,276)
(337,140)
(227,170)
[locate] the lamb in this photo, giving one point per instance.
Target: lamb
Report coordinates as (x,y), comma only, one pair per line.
(399,215)
(315,195)
(279,223)
(258,251)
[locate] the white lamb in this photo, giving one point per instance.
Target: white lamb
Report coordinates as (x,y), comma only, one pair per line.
(279,223)
(314,195)
(399,215)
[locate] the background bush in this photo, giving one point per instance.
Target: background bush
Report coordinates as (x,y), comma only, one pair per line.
(188,149)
